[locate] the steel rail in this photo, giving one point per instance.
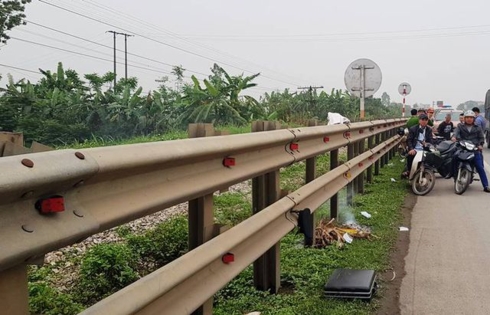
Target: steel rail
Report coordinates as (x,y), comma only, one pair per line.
(184,284)
(106,187)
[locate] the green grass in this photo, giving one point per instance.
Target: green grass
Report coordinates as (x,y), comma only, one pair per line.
(304,271)
(109,141)
(173,135)
(232,208)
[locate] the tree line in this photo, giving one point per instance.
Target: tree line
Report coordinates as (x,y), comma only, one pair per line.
(63,106)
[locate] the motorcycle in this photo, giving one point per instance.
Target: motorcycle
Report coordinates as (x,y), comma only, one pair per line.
(429,161)
(402,147)
(465,157)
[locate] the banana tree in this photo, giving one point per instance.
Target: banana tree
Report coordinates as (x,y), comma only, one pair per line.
(219,101)
(211,104)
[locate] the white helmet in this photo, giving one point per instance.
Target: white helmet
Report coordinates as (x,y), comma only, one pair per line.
(469,113)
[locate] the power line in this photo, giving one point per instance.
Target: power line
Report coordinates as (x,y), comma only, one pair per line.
(267,36)
(17,68)
(147,67)
(95,57)
(109,47)
(85,55)
(62,41)
(354,39)
(175,35)
(157,41)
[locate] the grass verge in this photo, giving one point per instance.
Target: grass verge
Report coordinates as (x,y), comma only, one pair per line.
(305,271)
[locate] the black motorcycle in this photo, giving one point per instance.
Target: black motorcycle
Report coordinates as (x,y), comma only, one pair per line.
(465,157)
(429,161)
(442,158)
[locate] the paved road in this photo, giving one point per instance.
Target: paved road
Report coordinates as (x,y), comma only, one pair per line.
(486,156)
(448,262)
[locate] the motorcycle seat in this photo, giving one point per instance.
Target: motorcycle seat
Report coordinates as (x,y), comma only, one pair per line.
(445,146)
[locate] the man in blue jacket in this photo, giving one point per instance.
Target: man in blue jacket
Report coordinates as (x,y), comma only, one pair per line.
(479,119)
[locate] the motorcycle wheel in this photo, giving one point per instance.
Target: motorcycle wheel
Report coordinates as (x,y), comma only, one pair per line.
(462,184)
(423,186)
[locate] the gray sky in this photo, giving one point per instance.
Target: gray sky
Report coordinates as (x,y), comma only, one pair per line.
(440,47)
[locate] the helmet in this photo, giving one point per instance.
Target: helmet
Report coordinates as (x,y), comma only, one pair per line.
(469,113)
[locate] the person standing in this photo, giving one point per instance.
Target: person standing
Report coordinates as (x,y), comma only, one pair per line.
(461,119)
(430,114)
(445,128)
(479,120)
(414,120)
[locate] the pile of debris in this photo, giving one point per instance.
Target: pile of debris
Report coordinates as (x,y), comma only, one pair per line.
(327,233)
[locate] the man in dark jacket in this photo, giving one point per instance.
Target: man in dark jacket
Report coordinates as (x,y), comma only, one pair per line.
(418,136)
(474,134)
(445,128)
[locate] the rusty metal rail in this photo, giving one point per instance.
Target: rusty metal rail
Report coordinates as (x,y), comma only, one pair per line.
(106,187)
(181,286)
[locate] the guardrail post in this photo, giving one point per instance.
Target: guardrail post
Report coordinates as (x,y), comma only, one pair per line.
(356,180)
(334,201)
(200,212)
(265,191)
(360,178)
(378,161)
(390,153)
(370,168)
(382,159)
(350,186)
(14,295)
(310,176)
(394,150)
(12,143)
(387,155)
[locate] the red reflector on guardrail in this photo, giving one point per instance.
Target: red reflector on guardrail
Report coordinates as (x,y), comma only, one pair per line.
(294,146)
(51,205)
(228,258)
(326,139)
(229,161)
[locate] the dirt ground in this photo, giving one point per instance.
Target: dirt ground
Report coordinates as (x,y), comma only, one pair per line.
(390,301)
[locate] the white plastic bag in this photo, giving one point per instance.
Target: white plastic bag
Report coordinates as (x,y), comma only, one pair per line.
(336,119)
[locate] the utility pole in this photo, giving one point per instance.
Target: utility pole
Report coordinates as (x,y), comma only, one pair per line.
(310,92)
(125,54)
(115,75)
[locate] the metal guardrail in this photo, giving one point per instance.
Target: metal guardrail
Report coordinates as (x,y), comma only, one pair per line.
(106,187)
(184,284)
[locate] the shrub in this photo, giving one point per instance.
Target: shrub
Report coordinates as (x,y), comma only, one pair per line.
(105,269)
(162,244)
(47,301)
